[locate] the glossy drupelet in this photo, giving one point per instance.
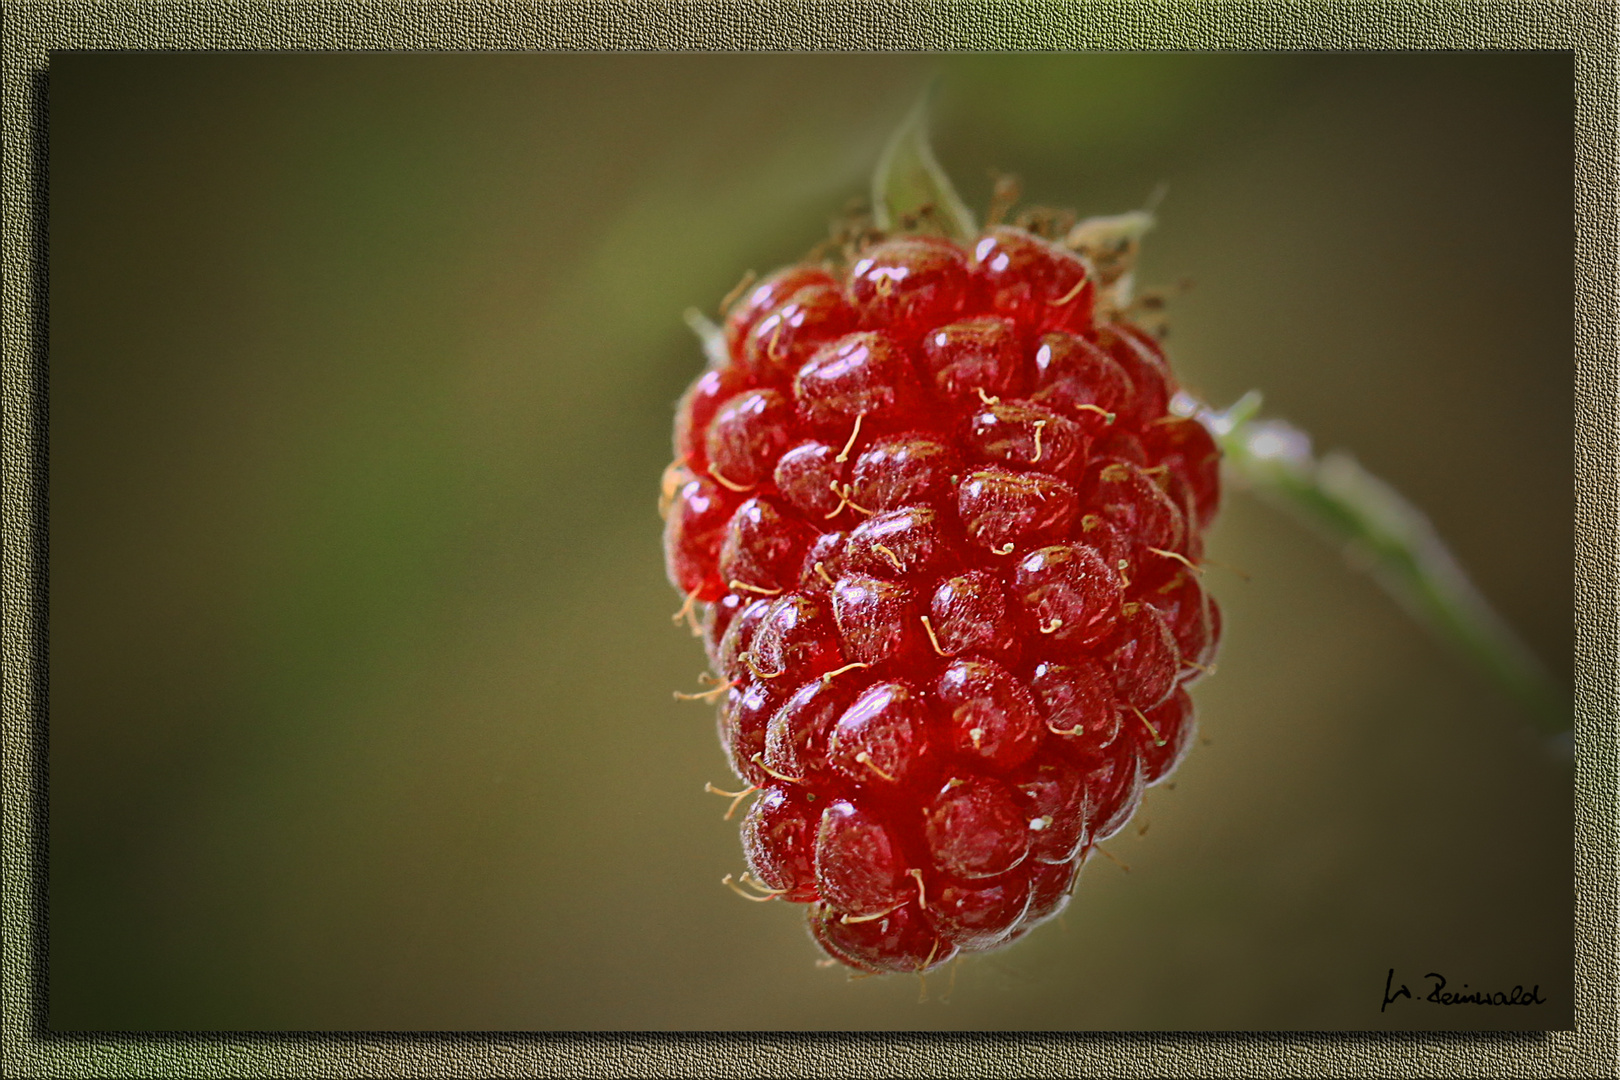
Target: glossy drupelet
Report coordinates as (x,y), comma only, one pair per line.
(945,536)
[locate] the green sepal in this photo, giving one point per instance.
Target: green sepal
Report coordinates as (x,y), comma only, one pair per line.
(713,339)
(909,178)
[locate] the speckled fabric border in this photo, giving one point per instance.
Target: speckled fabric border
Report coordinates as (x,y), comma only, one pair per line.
(33,29)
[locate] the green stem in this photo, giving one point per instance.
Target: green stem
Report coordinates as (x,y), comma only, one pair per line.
(1390,539)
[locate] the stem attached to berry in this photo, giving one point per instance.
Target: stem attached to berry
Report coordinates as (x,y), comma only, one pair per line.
(1386,536)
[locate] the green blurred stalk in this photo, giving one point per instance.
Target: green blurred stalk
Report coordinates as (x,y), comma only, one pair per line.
(1386,536)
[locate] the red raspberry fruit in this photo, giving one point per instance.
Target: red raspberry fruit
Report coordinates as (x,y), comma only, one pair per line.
(945,535)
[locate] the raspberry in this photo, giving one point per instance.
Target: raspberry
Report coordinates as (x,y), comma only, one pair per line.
(944,532)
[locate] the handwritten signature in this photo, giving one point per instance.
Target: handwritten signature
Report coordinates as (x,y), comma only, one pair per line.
(1439,995)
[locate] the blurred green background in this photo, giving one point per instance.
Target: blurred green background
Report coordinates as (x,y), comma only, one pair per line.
(361,379)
